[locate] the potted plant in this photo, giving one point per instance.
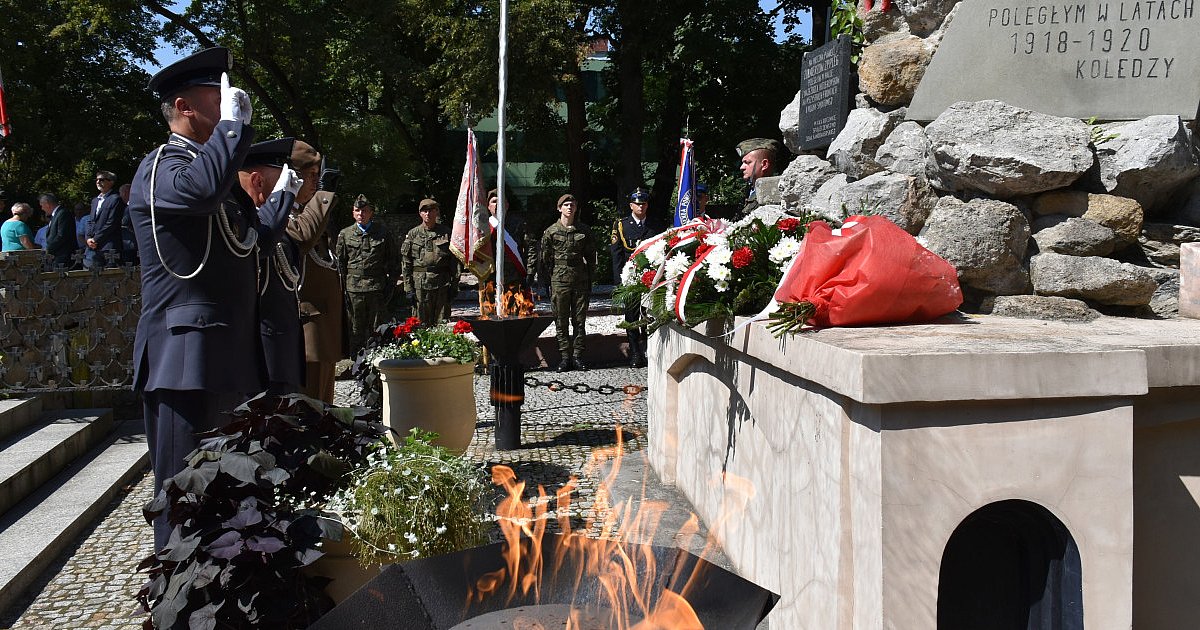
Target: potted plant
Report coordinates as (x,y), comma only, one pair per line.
(425,374)
(247,516)
(412,499)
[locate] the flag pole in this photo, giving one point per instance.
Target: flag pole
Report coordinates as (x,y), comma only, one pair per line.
(498,242)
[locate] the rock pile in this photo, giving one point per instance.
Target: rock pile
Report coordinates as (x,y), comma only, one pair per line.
(1043,216)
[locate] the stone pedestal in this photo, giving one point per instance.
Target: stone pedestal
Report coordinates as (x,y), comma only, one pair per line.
(1189,280)
(835,466)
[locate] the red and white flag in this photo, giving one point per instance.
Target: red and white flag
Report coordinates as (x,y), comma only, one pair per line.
(5,126)
(470,238)
(512,252)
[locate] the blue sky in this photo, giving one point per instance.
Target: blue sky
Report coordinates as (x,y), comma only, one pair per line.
(165,54)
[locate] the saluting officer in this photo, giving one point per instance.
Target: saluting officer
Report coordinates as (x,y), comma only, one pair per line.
(280,276)
(367,257)
(196,351)
(627,232)
(321,289)
(568,258)
(430,269)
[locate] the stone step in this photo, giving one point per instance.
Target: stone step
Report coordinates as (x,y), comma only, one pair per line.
(35,454)
(18,413)
(38,529)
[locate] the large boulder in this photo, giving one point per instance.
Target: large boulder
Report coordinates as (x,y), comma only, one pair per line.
(1147,159)
(1160,242)
(906,150)
(925,16)
(800,180)
(889,71)
(1076,237)
(853,150)
(826,202)
(1184,207)
(1005,151)
(1165,301)
(905,200)
(985,240)
(1100,280)
(1044,307)
(789,123)
(766,191)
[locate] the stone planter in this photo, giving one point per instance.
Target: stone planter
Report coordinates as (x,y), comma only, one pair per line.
(342,568)
(432,394)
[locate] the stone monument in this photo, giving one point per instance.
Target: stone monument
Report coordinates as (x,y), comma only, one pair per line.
(825,93)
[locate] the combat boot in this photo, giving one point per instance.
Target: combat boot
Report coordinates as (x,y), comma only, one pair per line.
(580,365)
(565,364)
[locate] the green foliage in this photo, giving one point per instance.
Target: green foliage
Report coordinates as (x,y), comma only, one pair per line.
(846,21)
(791,317)
(865,207)
(1096,132)
(246,516)
(412,501)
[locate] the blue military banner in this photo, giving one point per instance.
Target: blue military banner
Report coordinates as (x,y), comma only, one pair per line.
(685,209)
(471,235)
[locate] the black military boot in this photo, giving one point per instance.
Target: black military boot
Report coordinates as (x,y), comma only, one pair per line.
(634,346)
(579,364)
(565,364)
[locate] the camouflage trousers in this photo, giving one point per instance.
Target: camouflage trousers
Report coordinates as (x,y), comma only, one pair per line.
(570,304)
(367,311)
(433,305)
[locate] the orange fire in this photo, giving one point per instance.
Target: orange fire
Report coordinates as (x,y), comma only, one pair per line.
(517,301)
(627,575)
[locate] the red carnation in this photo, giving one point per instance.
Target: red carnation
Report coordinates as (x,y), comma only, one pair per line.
(789,224)
(700,251)
(412,322)
(742,256)
(400,331)
(648,278)
(462,326)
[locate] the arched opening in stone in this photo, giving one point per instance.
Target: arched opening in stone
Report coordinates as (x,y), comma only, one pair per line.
(1010,565)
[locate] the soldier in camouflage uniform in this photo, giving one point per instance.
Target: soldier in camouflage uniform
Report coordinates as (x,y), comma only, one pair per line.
(367,258)
(759,158)
(568,259)
(430,269)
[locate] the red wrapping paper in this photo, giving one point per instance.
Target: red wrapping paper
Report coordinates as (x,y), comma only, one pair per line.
(871,272)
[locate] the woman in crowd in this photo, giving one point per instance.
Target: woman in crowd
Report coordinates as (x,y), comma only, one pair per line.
(15,233)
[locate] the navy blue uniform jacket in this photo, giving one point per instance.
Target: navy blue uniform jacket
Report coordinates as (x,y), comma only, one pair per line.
(282,337)
(200,333)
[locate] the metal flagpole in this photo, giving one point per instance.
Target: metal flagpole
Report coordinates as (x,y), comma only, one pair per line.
(498,247)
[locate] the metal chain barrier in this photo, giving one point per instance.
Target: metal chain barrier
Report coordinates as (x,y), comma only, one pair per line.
(556,385)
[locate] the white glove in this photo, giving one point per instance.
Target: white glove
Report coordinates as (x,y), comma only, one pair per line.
(288,181)
(235,103)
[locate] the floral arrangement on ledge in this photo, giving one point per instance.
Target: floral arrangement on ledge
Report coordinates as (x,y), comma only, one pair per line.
(412,501)
(410,339)
(710,269)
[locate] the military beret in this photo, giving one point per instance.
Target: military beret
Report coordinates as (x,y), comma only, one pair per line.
(361,202)
(701,187)
(564,199)
(639,194)
(428,203)
(269,153)
(202,68)
(304,156)
(753,144)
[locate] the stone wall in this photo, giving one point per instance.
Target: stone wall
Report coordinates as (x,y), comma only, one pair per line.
(1044,216)
(66,330)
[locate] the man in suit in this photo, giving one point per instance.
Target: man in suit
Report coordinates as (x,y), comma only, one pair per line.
(196,352)
(60,233)
(627,232)
(321,291)
(280,275)
(108,209)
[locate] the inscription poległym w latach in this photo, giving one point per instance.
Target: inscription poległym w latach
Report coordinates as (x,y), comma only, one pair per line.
(1114,60)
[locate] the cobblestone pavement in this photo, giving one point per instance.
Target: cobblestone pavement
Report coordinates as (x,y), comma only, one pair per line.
(94,584)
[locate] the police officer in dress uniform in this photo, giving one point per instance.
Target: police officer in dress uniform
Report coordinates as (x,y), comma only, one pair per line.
(321,285)
(370,264)
(568,258)
(279,280)
(627,232)
(430,269)
(759,158)
(196,351)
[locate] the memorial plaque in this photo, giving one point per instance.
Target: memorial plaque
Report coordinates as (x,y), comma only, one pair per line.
(825,93)
(1121,60)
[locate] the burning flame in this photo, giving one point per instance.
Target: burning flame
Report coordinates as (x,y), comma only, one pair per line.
(629,580)
(517,301)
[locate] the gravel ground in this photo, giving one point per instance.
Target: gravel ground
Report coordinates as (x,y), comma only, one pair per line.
(94,584)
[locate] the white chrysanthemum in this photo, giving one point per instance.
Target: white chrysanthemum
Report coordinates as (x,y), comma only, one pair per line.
(676,265)
(627,272)
(716,240)
(719,273)
(657,252)
(721,286)
(720,255)
(784,251)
